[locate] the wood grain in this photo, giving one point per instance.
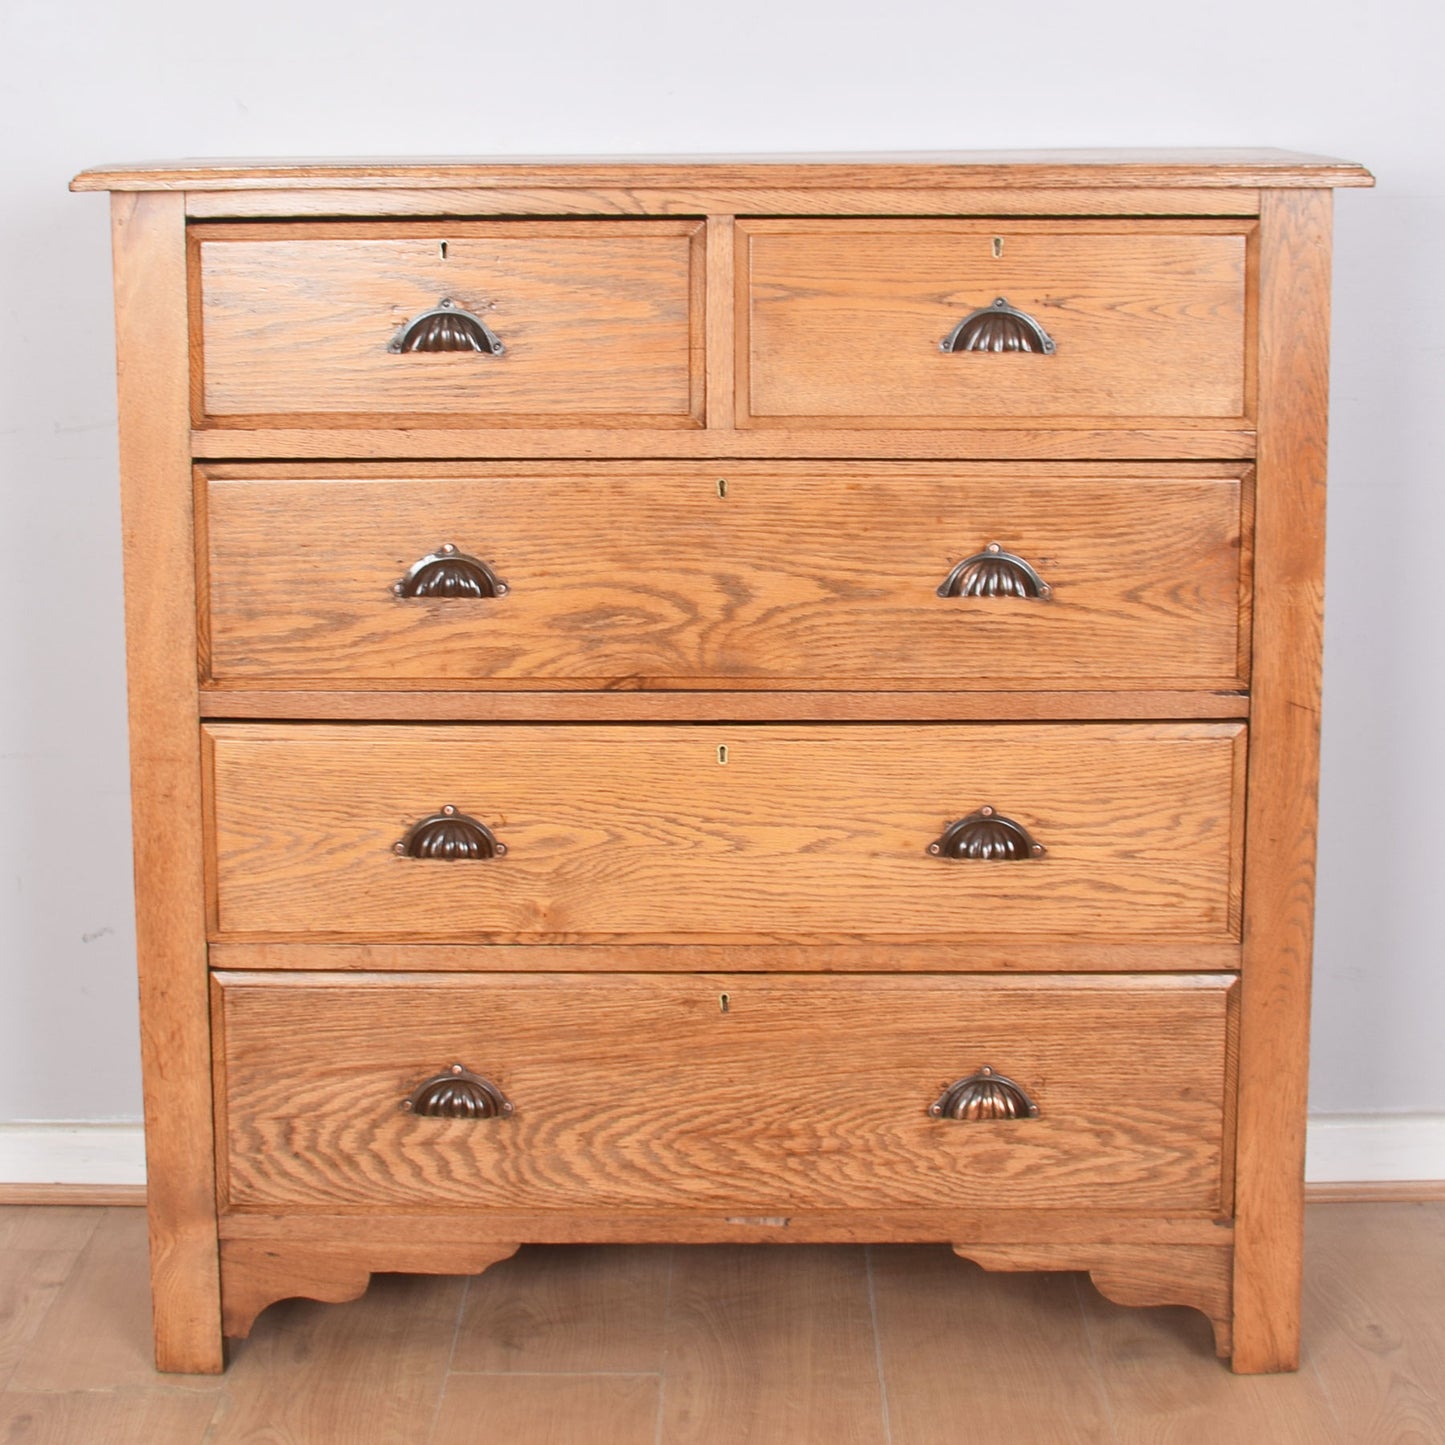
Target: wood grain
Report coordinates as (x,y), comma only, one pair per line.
(96,1334)
(151,346)
(372,1371)
(572,1310)
(1067,169)
(969,1356)
(1060,955)
(1283,778)
(1373,1286)
(688,1224)
(459,704)
(258,1272)
(599,320)
(804,832)
(1132,1274)
(772,1348)
(981,441)
(843,319)
(641,1091)
(548,1410)
(795,577)
(719,201)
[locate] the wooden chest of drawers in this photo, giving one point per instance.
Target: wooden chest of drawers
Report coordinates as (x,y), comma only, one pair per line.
(753,701)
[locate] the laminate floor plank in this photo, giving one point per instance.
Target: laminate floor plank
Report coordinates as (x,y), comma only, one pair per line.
(568,1309)
(50,1227)
(1375,1318)
(549,1409)
(37,1254)
(97,1334)
(1166,1386)
(717,1345)
(105,1417)
(370,1372)
(979,1357)
(771,1346)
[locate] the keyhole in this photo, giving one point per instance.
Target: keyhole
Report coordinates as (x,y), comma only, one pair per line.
(722,754)
(724,1002)
(722,486)
(444,250)
(997,246)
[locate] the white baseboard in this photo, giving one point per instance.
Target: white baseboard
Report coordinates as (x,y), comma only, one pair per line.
(1361,1148)
(75,1153)
(1342,1148)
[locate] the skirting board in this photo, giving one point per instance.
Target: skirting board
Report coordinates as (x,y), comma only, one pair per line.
(105,1163)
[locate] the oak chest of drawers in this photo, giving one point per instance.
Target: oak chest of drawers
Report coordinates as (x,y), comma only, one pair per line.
(752,701)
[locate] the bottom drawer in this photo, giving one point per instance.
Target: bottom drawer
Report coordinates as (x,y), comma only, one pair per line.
(764,1094)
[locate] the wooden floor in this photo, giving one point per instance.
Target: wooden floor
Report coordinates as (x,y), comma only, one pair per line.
(892,1345)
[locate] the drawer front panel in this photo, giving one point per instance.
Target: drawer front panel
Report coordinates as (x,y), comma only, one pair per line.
(844,319)
(773,576)
(598,321)
(744,833)
(642,1092)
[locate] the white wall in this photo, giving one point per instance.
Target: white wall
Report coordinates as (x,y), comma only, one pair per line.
(92,82)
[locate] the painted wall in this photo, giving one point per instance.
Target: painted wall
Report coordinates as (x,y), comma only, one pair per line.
(90,83)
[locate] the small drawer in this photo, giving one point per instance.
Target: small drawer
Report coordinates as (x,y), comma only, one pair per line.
(464,323)
(781,576)
(760,1095)
(570,833)
(1100,323)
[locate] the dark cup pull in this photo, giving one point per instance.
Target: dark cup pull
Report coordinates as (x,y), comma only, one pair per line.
(451,837)
(999,327)
(449,573)
(994,573)
(447,327)
(457,1094)
(986,834)
(984,1095)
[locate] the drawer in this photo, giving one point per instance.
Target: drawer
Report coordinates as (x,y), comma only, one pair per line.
(725,833)
(844,321)
(781,576)
(645,1092)
(596,322)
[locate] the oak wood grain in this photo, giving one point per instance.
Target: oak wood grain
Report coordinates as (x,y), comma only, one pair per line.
(148,238)
(795,577)
(256,1273)
(807,832)
(1283,778)
(761,1095)
(1061,955)
(442,1224)
(843,319)
(717,201)
(599,320)
(1071,168)
(328,703)
(1062,439)
(1132,1274)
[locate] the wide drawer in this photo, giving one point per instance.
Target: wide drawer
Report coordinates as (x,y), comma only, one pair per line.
(762,1095)
(316,323)
(770,576)
(1126,321)
(715,832)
